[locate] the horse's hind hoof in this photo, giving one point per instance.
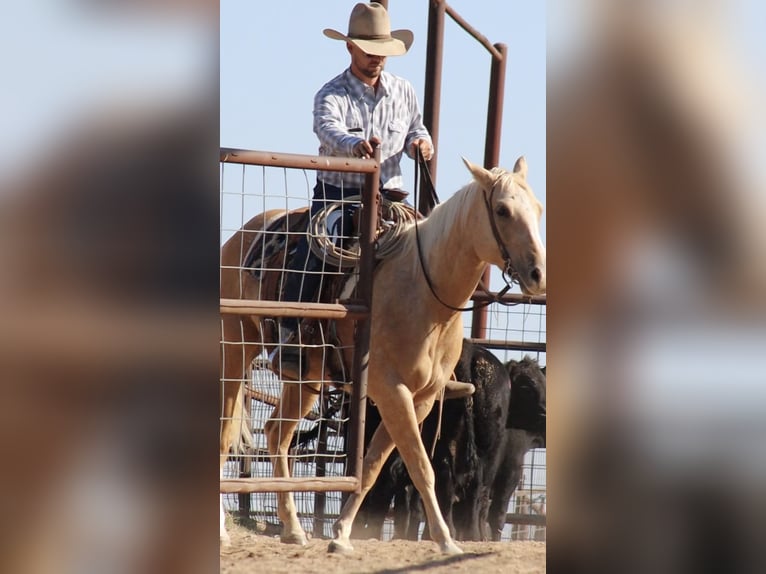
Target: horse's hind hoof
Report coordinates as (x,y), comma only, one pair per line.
(338,547)
(299,539)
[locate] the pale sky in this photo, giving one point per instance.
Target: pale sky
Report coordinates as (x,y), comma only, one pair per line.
(274,58)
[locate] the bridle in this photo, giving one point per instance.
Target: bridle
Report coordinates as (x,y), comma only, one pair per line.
(508,269)
(510,275)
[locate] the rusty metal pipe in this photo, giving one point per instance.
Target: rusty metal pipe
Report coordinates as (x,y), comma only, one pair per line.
(300,161)
(482,296)
(362,336)
(481,38)
(433,89)
(492,154)
(495,108)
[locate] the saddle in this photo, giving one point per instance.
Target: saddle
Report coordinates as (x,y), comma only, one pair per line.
(269,256)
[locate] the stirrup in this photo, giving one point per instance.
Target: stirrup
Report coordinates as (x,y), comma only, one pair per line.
(458,390)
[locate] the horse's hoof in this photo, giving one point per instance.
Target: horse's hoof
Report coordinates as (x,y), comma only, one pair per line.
(338,547)
(293,538)
(450,548)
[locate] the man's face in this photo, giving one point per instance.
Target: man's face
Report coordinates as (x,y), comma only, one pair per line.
(366,64)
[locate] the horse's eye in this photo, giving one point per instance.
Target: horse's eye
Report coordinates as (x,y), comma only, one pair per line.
(502,211)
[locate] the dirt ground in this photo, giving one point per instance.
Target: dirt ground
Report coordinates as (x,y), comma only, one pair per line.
(252,553)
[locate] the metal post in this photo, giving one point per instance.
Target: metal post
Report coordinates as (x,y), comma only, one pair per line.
(355,447)
(245,466)
(432,99)
(320,498)
(492,158)
(495,108)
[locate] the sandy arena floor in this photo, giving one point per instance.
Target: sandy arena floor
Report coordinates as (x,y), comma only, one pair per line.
(252,553)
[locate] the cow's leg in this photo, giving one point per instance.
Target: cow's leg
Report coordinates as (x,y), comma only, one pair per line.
(445,488)
(378,451)
(401,417)
(506,481)
(294,404)
(236,357)
(403,515)
(462,513)
(467,511)
(484,534)
(473,531)
(415,510)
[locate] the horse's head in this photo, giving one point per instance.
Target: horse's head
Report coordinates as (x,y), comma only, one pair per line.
(511,239)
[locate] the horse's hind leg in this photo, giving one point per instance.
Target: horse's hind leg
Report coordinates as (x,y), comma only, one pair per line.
(236,357)
(294,404)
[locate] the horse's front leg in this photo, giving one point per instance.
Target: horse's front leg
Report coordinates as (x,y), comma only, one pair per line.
(401,416)
(378,451)
(294,404)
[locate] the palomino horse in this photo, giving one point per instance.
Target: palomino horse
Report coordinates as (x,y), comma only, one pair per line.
(416,330)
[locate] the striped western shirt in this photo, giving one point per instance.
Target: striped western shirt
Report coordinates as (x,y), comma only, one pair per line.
(346,111)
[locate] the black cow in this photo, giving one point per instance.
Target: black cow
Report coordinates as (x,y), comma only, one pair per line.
(478,456)
(526,430)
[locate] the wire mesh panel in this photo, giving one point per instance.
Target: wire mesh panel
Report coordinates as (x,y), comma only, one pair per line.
(528,501)
(513,332)
(264,220)
(319,451)
(248,190)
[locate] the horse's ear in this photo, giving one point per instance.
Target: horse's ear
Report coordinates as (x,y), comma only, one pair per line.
(481,175)
(521,167)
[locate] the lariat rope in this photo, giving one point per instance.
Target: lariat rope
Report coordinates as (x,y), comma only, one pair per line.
(438,433)
(387,234)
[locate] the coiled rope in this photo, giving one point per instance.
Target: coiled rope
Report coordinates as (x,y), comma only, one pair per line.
(326,246)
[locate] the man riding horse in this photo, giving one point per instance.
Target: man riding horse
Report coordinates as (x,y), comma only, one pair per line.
(361,107)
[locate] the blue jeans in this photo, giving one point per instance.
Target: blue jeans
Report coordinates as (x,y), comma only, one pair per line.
(304,268)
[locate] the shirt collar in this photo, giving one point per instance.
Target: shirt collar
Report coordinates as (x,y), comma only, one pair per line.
(357,87)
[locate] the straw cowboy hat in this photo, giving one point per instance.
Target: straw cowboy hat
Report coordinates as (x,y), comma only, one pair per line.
(369,28)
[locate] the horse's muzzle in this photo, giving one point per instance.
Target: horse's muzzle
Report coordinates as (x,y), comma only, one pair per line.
(535,281)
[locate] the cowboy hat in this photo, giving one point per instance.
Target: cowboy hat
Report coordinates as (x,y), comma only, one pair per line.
(369,28)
